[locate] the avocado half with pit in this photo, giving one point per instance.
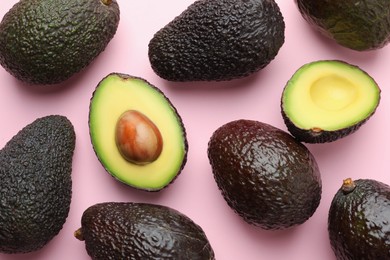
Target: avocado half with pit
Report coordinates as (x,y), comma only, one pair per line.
(328,99)
(136,132)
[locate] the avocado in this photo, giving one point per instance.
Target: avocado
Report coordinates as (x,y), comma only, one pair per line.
(359,220)
(136,132)
(218,40)
(36,184)
(358,25)
(45,42)
(129,230)
(326,100)
(265,175)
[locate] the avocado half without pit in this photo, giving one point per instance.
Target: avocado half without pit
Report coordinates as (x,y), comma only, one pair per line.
(327,100)
(136,132)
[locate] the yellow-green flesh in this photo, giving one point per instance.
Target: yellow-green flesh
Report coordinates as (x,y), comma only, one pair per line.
(111,99)
(329,95)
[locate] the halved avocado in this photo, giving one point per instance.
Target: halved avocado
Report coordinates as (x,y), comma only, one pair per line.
(136,132)
(328,99)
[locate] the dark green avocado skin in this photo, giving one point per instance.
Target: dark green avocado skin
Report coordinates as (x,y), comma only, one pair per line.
(265,175)
(36,184)
(323,136)
(129,230)
(359,25)
(218,40)
(359,222)
(47,41)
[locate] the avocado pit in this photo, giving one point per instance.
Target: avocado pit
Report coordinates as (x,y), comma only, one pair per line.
(138,138)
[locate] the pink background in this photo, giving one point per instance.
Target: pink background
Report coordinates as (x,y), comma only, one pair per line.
(204,107)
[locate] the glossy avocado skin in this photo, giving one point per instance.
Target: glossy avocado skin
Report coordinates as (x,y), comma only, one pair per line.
(128,230)
(358,222)
(359,25)
(47,41)
(36,184)
(218,40)
(264,174)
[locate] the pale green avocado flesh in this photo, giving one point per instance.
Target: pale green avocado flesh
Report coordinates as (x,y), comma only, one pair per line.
(329,95)
(118,93)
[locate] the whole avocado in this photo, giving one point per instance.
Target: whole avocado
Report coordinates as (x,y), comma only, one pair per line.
(47,41)
(265,175)
(130,230)
(358,25)
(359,220)
(36,184)
(218,40)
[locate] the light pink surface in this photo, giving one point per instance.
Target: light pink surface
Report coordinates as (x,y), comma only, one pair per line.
(204,107)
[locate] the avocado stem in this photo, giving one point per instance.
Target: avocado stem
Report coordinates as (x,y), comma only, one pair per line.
(79,234)
(316,129)
(348,186)
(106,2)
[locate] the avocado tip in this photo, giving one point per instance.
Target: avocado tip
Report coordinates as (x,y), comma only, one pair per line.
(348,186)
(106,2)
(79,234)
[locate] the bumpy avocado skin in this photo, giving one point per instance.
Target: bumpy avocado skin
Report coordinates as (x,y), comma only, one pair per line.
(265,175)
(36,184)
(218,40)
(358,222)
(47,41)
(359,25)
(129,230)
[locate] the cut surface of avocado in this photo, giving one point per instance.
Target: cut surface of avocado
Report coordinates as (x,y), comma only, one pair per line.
(118,95)
(329,95)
